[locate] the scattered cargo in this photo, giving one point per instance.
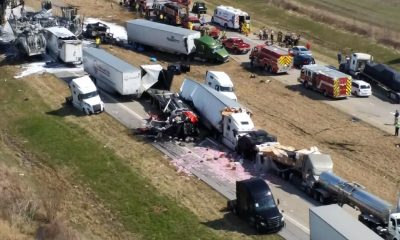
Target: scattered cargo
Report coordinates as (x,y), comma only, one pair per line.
(29,37)
(271,58)
(221,82)
(161,36)
(226,118)
(328,81)
(84,95)
(63,45)
(114,75)
(176,118)
(256,205)
(333,223)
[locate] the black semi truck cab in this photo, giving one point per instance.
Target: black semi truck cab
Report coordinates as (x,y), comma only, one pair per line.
(255,204)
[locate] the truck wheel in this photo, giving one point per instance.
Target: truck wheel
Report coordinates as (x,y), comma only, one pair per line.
(316,196)
(322,200)
(258,228)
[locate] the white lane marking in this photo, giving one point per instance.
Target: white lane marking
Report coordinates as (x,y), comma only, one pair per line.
(123,106)
(297,223)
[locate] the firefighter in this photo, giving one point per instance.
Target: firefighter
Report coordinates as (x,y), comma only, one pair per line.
(97,41)
(279,37)
(190,25)
(272,37)
(396,129)
(396,117)
(339,56)
(265,33)
(260,34)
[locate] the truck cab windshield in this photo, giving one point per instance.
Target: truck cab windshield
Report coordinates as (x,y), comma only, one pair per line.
(265,203)
(225,89)
(89,95)
(217,48)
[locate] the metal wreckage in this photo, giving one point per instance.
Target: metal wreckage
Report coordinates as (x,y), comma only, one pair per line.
(25,29)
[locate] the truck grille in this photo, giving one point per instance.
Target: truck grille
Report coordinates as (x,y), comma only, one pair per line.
(274,222)
(97,108)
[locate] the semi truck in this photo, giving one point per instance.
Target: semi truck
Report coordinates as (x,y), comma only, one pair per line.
(162,36)
(330,82)
(209,49)
(115,75)
(256,205)
(361,66)
(331,222)
(62,44)
(84,95)
(313,173)
(272,58)
(224,117)
(221,82)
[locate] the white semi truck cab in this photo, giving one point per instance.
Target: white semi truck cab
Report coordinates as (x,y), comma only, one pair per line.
(236,123)
(393,230)
(221,82)
(84,95)
(355,63)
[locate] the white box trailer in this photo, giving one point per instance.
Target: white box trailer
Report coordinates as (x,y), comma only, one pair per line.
(115,75)
(331,222)
(207,101)
(64,45)
(163,37)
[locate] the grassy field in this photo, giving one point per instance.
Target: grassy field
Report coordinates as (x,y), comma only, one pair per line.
(60,144)
(384,13)
(325,39)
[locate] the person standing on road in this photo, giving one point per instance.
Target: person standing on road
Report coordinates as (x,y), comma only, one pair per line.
(272,37)
(339,56)
(396,117)
(396,129)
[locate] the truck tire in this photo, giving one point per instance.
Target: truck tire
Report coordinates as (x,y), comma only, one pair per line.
(258,227)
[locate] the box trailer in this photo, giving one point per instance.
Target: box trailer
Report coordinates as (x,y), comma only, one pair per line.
(64,45)
(115,75)
(162,36)
(331,222)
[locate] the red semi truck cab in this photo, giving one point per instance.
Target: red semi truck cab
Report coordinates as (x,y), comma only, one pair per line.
(328,81)
(272,58)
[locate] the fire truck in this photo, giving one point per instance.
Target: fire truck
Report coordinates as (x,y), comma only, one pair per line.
(170,13)
(272,58)
(326,80)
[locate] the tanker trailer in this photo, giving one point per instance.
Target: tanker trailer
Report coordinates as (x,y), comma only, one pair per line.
(375,213)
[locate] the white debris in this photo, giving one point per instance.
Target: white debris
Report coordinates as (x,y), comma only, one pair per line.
(40,67)
(117,30)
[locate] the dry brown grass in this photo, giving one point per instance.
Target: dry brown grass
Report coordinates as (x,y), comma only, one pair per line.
(379,33)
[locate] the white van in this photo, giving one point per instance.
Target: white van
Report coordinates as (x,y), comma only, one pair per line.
(221,82)
(230,17)
(361,88)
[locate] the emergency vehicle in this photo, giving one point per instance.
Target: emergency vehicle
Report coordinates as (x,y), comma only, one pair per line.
(272,58)
(326,80)
(230,17)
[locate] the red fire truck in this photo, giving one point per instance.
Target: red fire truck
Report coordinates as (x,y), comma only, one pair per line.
(272,58)
(326,80)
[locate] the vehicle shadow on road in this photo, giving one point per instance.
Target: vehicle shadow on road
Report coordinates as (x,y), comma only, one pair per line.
(66,110)
(308,92)
(230,222)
